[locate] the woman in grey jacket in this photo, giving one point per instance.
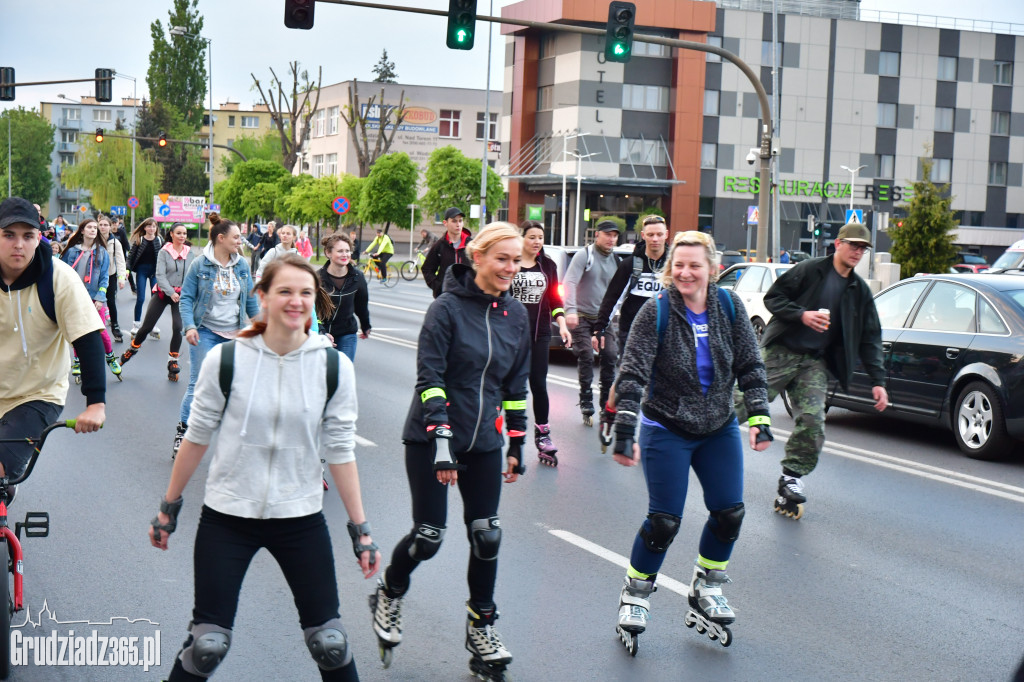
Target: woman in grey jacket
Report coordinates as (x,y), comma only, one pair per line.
(264,485)
(686,349)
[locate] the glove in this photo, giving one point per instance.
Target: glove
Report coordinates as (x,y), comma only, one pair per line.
(764,426)
(515,449)
(171,509)
(357,530)
(444,459)
(623,440)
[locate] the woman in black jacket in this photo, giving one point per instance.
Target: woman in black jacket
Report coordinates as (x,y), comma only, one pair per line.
(347,289)
(536,287)
(146,244)
(473,361)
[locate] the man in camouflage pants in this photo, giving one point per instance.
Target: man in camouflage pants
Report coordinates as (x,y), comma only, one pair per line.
(824,318)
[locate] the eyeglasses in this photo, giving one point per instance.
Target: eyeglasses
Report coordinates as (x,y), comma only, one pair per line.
(652,219)
(856,246)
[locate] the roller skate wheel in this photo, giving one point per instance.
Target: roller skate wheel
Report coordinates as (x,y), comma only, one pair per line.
(78,379)
(629,639)
(588,420)
(386,655)
(700,628)
(690,620)
(119,378)
(725,639)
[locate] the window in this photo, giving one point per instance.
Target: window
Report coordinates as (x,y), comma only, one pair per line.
(644,97)
(942,170)
(72,114)
(332,121)
(331,164)
(708,155)
(997,173)
(885,166)
(711,102)
(544,94)
(717,42)
(253,121)
(318,165)
(67,159)
(947,307)
(231,142)
(206,167)
(492,132)
(1000,123)
(651,50)
(989,321)
(231,121)
(645,152)
(547,46)
(947,68)
(888,63)
(751,280)
(894,305)
(766,53)
(1003,74)
(69,136)
(449,123)
(886,115)
(101,115)
(67,206)
(943,119)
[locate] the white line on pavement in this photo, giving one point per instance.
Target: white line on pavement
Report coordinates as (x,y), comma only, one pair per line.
(398,307)
(562,381)
(393,340)
(617,559)
(364,442)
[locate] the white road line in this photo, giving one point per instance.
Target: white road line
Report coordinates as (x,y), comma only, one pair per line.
(364,442)
(562,381)
(622,562)
(393,340)
(398,307)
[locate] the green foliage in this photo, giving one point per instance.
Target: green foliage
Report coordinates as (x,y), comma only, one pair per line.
(311,199)
(231,193)
(384,70)
(267,148)
(31,147)
(105,170)
(389,189)
(351,187)
(177,64)
(453,179)
(184,172)
(925,241)
(620,222)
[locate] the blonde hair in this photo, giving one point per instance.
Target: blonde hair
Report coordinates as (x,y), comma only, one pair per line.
(690,238)
(491,235)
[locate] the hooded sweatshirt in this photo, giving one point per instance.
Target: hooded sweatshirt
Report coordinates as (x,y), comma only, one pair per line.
(222,315)
(267,445)
(273,255)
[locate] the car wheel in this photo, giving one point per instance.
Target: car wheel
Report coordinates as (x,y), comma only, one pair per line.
(978,423)
(758,326)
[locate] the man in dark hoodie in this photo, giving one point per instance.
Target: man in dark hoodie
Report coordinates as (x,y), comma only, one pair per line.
(34,343)
(446,251)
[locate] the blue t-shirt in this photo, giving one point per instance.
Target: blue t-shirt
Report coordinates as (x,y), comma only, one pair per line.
(705,367)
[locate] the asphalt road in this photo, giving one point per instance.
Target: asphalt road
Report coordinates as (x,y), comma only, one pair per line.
(907,565)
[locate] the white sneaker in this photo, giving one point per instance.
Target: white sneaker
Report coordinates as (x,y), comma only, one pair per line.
(135,328)
(155,334)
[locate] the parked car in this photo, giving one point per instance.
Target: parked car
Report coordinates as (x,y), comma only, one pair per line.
(952,346)
(1012,259)
(730,258)
(971,258)
(968,268)
(797,256)
(752,281)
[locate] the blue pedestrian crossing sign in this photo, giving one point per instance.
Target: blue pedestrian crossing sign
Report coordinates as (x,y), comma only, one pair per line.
(855,215)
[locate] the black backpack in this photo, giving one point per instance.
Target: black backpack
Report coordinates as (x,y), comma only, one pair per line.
(227,372)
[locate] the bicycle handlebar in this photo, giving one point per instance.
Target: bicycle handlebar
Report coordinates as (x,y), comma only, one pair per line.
(38,443)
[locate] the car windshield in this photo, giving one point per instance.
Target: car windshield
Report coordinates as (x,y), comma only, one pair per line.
(1010,259)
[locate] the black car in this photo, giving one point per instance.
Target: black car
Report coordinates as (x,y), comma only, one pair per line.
(953,349)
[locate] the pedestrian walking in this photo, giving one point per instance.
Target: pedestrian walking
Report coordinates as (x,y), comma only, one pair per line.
(146,244)
(118,272)
(268,240)
(345,285)
(286,244)
(446,251)
(303,245)
(264,488)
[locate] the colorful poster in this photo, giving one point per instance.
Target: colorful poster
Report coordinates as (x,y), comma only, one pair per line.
(172,209)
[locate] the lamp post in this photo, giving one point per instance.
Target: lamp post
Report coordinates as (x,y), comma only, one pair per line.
(579,189)
(565,153)
(853,179)
(183,32)
(412,227)
(487,128)
(135,125)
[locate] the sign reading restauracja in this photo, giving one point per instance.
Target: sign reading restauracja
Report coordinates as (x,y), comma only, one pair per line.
(837,190)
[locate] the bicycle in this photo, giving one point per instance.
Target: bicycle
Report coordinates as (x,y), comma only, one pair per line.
(370,270)
(411,268)
(35,525)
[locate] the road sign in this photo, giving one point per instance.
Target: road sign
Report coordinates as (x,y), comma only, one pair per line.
(133,202)
(210,208)
(855,215)
(340,205)
(118,210)
(83,208)
(753,214)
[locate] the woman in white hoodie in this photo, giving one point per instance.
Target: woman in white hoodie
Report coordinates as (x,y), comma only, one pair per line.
(287,235)
(268,436)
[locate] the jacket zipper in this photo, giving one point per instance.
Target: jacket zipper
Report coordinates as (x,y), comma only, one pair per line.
(483,377)
(273,439)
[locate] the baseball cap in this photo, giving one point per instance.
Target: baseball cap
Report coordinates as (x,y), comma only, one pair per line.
(607,226)
(18,210)
(453,212)
(855,232)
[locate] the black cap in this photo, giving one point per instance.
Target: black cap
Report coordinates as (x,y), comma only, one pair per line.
(453,212)
(18,210)
(607,226)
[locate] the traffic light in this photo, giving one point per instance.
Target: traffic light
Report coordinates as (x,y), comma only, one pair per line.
(7,83)
(817,229)
(299,13)
(618,42)
(99,134)
(162,140)
(104,88)
(461,24)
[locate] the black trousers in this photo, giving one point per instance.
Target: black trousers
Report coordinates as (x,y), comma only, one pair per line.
(157,304)
(539,379)
(112,300)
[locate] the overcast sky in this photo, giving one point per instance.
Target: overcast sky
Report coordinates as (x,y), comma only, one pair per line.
(63,39)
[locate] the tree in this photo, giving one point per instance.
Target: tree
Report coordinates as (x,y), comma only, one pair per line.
(385,70)
(30,150)
(389,189)
(177,65)
(378,117)
(312,201)
(105,170)
(184,171)
(267,148)
(291,110)
(231,193)
(924,243)
(453,179)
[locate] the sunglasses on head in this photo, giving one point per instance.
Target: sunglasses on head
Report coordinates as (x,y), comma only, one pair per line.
(651,220)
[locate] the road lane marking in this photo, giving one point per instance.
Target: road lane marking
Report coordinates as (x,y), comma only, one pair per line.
(364,442)
(622,562)
(398,307)
(562,381)
(392,340)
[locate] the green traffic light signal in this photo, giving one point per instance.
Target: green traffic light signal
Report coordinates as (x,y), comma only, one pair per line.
(461,24)
(618,42)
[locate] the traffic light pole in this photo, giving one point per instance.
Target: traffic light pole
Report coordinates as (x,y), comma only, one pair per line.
(765,152)
(190,142)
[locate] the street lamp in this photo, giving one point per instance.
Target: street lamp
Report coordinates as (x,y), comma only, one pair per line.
(487,129)
(579,188)
(853,179)
(181,31)
(565,153)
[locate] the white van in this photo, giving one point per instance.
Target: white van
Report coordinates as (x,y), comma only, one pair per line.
(1012,258)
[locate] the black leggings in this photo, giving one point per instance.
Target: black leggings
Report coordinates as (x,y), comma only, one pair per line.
(157,303)
(539,379)
(112,299)
(480,487)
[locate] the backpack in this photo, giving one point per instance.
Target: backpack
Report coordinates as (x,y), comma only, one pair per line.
(661,301)
(227,372)
(44,288)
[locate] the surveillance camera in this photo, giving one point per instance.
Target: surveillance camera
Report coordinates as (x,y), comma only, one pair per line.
(752,156)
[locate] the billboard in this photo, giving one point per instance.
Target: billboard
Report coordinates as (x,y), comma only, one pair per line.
(172,209)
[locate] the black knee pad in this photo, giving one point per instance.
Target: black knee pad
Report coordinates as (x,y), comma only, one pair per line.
(206,647)
(726,523)
(663,531)
(485,537)
(426,540)
(328,645)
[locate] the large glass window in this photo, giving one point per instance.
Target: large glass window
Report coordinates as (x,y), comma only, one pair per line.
(254,121)
(101,115)
(989,321)
(751,280)
(997,173)
(1000,123)
(331,164)
(332,121)
(644,152)
(319,123)
(644,97)
(766,53)
(895,304)
(651,50)
(947,69)
(944,119)
(717,42)
(69,136)
(547,45)
(886,115)
(888,63)
(72,114)
(942,170)
(492,129)
(1003,73)
(449,123)
(948,307)
(885,166)
(708,155)
(544,95)
(318,165)
(711,99)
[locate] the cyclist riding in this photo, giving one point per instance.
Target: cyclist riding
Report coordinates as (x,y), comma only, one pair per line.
(380,251)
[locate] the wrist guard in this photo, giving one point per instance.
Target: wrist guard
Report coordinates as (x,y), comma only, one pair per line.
(515,449)
(443,456)
(764,430)
(624,441)
(171,509)
(355,531)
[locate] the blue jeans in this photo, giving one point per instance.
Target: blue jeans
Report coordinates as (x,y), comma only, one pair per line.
(196,355)
(145,278)
(667,458)
(347,344)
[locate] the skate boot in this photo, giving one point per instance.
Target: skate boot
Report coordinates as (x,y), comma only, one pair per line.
(129,352)
(115,331)
(155,334)
(587,407)
(634,611)
(172,367)
(135,328)
(387,620)
(114,365)
(76,371)
(709,611)
(790,501)
(606,433)
(545,448)
(178,437)
(490,657)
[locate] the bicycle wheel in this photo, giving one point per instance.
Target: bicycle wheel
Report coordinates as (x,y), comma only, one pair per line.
(392,278)
(6,610)
(410,270)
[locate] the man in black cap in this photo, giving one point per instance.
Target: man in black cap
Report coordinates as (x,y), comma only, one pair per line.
(42,304)
(823,319)
(446,251)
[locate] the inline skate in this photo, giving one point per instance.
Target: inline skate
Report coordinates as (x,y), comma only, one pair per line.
(179,436)
(791,499)
(115,331)
(115,366)
(76,371)
(129,352)
(172,367)
(387,620)
(545,448)
(490,657)
(634,611)
(587,407)
(606,434)
(709,611)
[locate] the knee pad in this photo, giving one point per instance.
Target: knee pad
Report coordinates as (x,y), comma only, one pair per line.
(206,647)
(663,529)
(726,523)
(485,538)
(328,645)
(426,540)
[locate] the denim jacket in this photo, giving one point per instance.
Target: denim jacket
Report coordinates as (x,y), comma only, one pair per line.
(197,291)
(99,269)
